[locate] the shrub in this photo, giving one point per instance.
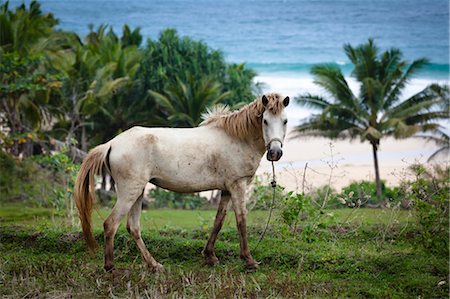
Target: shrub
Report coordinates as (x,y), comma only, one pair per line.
(62,174)
(45,181)
(262,195)
(174,200)
(300,214)
(429,192)
(24,180)
(364,194)
(327,193)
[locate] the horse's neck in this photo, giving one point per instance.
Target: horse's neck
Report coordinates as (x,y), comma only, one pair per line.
(257,144)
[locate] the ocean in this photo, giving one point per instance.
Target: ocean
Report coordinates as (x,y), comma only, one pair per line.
(278,36)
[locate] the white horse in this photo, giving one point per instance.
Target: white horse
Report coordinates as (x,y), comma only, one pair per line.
(223,153)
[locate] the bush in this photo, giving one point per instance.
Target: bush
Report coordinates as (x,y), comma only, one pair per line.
(173,200)
(327,193)
(45,181)
(364,194)
(429,192)
(300,214)
(262,195)
(24,180)
(62,172)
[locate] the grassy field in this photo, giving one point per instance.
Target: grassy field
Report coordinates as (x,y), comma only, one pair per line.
(364,253)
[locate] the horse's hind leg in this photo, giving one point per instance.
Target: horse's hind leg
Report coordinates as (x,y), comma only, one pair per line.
(134,228)
(126,197)
(208,251)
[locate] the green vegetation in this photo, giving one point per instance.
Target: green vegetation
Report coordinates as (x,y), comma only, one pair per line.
(309,250)
(368,256)
(173,200)
(378,111)
(84,91)
(57,88)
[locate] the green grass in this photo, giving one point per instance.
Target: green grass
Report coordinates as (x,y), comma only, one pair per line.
(365,253)
(187,219)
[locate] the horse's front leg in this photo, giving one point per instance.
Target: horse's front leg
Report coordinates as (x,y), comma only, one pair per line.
(238,193)
(208,251)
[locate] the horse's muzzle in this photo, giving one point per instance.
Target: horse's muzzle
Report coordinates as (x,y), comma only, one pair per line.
(274,154)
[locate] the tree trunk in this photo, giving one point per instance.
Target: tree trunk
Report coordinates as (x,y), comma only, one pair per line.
(377,170)
(83,139)
(103,179)
(76,154)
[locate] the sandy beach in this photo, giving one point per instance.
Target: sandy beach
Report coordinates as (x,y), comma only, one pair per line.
(339,162)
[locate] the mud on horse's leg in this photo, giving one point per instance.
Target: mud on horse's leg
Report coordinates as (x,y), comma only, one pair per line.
(111,224)
(238,200)
(110,228)
(134,228)
(208,251)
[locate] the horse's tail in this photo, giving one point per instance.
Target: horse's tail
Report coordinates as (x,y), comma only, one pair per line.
(85,189)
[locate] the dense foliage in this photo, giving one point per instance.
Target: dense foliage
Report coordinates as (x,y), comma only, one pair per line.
(43,181)
(429,192)
(183,77)
(84,91)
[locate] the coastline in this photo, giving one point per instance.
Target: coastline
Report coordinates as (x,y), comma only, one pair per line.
(352,160)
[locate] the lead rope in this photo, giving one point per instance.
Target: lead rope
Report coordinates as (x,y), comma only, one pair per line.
(273,183)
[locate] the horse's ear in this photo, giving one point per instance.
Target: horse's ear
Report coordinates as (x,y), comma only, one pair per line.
(286,101)
(265,101)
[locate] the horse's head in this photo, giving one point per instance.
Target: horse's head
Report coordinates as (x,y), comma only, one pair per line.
(274,123)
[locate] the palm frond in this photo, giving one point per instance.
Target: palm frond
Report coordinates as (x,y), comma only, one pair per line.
(428,98)
(364,58)
(312,101)
(330,77)
(371,94)
(442,150)
(394,92)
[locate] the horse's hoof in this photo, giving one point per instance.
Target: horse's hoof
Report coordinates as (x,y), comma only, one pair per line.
(253,266)
(157,268)
(210,257)
(109,268)
(211,260)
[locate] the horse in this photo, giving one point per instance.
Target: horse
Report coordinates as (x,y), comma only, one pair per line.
(222,153)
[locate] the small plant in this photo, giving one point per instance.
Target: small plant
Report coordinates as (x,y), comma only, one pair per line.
(44,181)
(262,195)
(429,192)
(300,213)
(319,194)
(64,172)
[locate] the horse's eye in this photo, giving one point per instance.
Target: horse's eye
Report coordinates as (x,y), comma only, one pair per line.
(285,122)
(265,122)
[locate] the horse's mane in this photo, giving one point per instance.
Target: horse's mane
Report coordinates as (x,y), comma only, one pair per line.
(245,121)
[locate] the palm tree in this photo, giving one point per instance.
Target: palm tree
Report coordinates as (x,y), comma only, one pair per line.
(25,30)
(183,103)
(378,111)
(94,72)
(28,40)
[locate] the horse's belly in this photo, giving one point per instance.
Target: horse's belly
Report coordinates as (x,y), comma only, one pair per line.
(189,173)
(187,185)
